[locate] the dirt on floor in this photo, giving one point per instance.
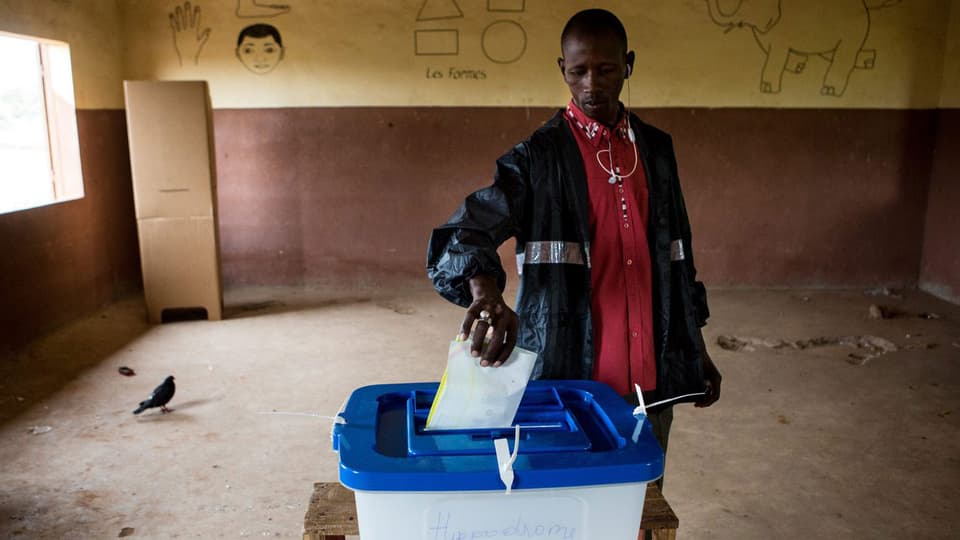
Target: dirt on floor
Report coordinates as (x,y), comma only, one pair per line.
(833,422)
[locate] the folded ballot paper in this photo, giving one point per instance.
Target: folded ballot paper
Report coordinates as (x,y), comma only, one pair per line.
(474,397)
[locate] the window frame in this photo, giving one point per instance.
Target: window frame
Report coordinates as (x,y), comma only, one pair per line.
(59,123)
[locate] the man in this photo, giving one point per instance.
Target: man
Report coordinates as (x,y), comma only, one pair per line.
(608,287)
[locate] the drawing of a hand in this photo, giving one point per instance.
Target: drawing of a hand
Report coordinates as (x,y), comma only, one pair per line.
(253,8)
(188,39)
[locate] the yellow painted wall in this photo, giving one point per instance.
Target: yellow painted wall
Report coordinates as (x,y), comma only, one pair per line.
(362,53)
(950,91)
(90,27)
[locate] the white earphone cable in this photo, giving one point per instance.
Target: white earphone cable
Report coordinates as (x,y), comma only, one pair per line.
(614,176)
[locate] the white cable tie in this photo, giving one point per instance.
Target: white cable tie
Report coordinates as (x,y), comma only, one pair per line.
(641,409)
(505,459)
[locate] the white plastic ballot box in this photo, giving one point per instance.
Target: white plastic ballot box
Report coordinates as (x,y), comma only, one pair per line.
(580,471)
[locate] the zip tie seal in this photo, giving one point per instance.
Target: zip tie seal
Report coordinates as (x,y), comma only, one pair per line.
(505,459)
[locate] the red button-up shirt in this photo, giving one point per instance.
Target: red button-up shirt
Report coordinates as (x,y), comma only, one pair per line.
(621,276)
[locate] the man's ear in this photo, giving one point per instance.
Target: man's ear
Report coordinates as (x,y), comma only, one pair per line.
(562,65)
(237,52)
(630,58)
(283,51)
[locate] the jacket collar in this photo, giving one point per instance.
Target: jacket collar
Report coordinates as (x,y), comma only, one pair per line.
(597,133)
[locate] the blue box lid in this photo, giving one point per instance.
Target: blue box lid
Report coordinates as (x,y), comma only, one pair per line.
(572,433)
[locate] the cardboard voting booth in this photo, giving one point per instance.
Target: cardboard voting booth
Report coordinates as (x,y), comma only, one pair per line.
(174,190)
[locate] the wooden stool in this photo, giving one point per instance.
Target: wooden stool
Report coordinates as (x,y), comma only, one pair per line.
(332,514)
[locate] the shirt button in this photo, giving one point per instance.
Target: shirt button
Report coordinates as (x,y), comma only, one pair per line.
(629,262)
(626,225)
(634,334)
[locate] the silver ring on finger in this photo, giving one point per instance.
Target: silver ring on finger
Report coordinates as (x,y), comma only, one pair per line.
(485,316)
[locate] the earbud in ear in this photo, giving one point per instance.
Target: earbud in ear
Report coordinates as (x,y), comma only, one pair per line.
(629,70)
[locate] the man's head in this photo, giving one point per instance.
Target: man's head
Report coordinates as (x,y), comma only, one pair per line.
(595,62)
(260,48)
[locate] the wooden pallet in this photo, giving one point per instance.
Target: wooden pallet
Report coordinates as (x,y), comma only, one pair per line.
(332,514)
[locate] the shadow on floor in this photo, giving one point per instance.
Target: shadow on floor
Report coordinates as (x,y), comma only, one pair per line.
(48,364)
(244,309)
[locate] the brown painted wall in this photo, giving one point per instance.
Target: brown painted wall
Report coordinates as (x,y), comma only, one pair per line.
(776,197)
(804,197)
(65,260)
(348,197)
(940,268)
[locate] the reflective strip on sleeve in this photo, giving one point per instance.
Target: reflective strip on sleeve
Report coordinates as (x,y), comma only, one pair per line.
(676,251)
(555,252)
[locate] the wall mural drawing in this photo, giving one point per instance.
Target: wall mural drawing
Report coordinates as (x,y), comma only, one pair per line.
(436,10)
(437,41)
(260,48)
(252,9)
(188,37)
(440,42)
(503,41)
(791,31)
(511,6)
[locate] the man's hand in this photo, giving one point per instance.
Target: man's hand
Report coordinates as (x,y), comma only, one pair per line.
(499,317)
(711,379)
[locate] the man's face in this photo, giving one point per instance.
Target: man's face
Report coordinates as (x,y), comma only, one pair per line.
(594,68)
(260,55)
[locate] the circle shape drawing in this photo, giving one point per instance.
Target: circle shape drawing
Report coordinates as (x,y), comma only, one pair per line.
(504,41)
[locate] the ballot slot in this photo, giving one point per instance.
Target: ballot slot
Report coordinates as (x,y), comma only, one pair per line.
(550,422)
(540,410)
(390,424)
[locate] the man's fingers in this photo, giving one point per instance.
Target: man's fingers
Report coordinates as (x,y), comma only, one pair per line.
(488,314)
(713,394)
(467,323)
(716,392)
(495,347)
(510,342)
(479,333)
(507,338)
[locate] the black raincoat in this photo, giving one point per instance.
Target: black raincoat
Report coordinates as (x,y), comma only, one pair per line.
(539,196)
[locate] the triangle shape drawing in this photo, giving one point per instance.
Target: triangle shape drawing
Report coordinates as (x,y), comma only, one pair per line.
(433,10)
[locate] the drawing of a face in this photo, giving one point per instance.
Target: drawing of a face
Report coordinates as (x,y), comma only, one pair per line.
(260,48)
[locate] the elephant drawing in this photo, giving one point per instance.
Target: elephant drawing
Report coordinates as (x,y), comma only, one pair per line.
(790,31)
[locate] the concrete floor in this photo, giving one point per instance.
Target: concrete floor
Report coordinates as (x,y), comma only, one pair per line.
(803,444)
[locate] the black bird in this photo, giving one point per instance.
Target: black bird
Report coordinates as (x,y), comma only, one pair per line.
(160,396)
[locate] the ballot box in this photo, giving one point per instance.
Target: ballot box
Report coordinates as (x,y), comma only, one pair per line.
(577,470)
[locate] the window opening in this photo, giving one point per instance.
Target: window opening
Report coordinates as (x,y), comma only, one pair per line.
(39,147)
